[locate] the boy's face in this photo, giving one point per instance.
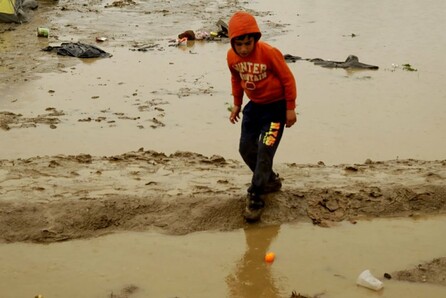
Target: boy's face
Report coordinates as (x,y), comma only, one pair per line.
(244,47)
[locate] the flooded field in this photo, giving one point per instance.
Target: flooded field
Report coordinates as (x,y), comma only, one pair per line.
(344,116)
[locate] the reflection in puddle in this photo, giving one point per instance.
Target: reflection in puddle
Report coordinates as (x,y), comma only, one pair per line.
(252,277)
(309,259)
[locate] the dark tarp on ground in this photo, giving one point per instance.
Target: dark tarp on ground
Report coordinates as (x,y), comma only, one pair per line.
(78,49)
(351,62)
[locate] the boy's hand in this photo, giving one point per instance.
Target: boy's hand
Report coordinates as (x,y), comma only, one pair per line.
(235,114)
(291,118)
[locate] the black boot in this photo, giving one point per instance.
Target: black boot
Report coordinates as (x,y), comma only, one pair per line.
(274,184)
(254,207)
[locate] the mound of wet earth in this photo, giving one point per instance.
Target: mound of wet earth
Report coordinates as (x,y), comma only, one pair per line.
(63,197)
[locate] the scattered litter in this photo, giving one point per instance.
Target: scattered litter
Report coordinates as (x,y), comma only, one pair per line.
(182,41)
(43,32)
(145,47)
(120,3)
(79,50)
(178,42)
(101,39)
(294,294)
(405,66)
(199,35)
(352,61)
(291,58)
(408,67)
(387,275)
(367,280)
(189,35)
(350,35)
(223,28)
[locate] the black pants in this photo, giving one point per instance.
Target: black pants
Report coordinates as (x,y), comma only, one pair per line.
(262,129)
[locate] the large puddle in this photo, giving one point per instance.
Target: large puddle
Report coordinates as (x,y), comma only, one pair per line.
(344,116)
(309,259)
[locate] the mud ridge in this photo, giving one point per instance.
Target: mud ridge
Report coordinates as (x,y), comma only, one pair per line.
(64,197)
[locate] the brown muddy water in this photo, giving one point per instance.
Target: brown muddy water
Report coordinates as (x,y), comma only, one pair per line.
(309,259)
(344,117)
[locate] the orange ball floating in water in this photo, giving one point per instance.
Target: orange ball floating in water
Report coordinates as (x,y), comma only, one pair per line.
(269,257)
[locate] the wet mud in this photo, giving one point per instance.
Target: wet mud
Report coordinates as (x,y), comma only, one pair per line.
(58,198)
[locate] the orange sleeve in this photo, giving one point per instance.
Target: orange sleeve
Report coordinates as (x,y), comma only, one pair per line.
(286,77)
(236,82)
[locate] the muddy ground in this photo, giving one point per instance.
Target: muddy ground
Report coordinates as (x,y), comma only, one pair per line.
(58,198)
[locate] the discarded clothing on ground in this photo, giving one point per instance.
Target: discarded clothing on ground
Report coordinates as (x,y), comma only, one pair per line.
(352,61)
(78,49)
(291,58)
(191,35)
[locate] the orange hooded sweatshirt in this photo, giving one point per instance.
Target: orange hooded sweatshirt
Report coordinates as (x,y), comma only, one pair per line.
(263,75)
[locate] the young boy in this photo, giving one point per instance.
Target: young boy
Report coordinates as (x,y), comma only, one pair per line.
(260,71)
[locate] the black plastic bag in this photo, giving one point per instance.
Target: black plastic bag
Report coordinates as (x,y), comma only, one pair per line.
(78,49)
